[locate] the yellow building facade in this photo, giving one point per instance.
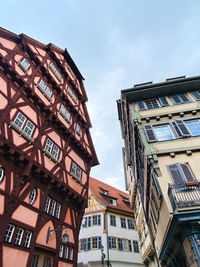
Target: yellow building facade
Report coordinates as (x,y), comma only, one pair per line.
(160,126)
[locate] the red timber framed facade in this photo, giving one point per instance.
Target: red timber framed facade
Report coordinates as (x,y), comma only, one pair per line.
(46,153)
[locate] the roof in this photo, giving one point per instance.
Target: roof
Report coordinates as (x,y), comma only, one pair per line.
(169,87)
(97,187)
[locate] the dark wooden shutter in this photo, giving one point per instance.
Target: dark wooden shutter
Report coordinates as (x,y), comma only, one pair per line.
(99,219)
(184,98)
(130,245)
(182,128)
(88,244)
(187,172)
(157,186)
(120,246)
(141,105)
(99,241)
(176,129)
(176,99)
(163,101)
(196,95)
(89,221)
(150,133)
(176,175)
(86,220)
(109,242)
(85,244)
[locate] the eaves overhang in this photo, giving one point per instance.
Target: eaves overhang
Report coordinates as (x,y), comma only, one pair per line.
(161,89)
(182,217)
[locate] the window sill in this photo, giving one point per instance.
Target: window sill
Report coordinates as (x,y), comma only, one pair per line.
(50,156)
(75,178)
(21,132)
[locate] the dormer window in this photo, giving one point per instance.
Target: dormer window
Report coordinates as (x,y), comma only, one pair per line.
(55,71)
(72,94)
(24,64)
(105,192)
(45,89)
(113,201)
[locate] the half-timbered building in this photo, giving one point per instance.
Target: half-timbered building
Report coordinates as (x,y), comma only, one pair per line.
(46,153)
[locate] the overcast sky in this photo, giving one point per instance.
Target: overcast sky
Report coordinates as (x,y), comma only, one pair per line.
(115,44)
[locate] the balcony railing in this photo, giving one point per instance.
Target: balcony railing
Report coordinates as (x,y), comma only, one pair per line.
(183,196)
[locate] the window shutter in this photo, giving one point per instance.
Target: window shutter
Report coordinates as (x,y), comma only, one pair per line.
(182,128)
(149,133)
(163,101)
(99,241)
(175,173)
(176,99)
(89,221)
(184,98)
(84,244)
(109,242)
(130,246)
(187,172)
(196,95)
(120,244)
(99,219)
(176,129)
(86,221)
(141,105)
(88,243)
(157,186)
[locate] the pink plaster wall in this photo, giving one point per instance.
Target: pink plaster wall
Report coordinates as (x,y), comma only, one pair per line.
(2,200)
(41,238)
(14,257)
(77,159)
(25,215)
(6,43)
(64,264)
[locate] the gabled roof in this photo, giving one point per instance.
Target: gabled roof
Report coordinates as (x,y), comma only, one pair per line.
(97,187)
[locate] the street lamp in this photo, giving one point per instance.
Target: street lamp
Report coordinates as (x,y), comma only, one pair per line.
(102,254)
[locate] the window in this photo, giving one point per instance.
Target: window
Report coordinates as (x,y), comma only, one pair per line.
(23,125)
(19,236)
(153,103)
(24,64)
(123,222)
(65,113)
(76,171)
(180,173)
(163,133)
(66,252)
(52,207)
(61,250)
(58,209)
(125,244)
(180,99)
(34,262)
(94,220)
(94,242)
(72,94)
(27,239)
(71,254)
(130,224)
(194,127)
(55,71)
(113,242)
(84,222)
(135,246)
(113,201)
(83,244)
(196,95)
(9,233)
(45,89)
(78,129)
(112,220)
(1,174)
(51,149)
(32,196)
(47,262)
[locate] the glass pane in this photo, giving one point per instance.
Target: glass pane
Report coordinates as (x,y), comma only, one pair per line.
(163,133)
(194,127)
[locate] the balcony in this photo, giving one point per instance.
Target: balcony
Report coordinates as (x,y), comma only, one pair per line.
(184,196)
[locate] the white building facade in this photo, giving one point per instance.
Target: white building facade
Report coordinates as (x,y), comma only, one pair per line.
(108,236)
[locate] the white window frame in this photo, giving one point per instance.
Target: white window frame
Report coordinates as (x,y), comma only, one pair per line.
(1,174)
(58,209)
(45,89)
(24,64)
(123,222)
(32,196)
(27,239)
(66,252)
(52,150)
(65,113)
(94,242)
(9,233)
(23,126)
(71,254)
(61,250)
(72,94)
(19,235)
(53,207)
(47,204)
(78,129)
(55,71)
(76,171)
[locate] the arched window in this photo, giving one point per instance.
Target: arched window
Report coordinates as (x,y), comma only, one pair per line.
(1,174)
(32,196)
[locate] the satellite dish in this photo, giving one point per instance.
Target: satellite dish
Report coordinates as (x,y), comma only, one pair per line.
(65,239)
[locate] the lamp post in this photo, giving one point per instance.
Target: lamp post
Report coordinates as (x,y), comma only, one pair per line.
(65,237)
(102,254)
